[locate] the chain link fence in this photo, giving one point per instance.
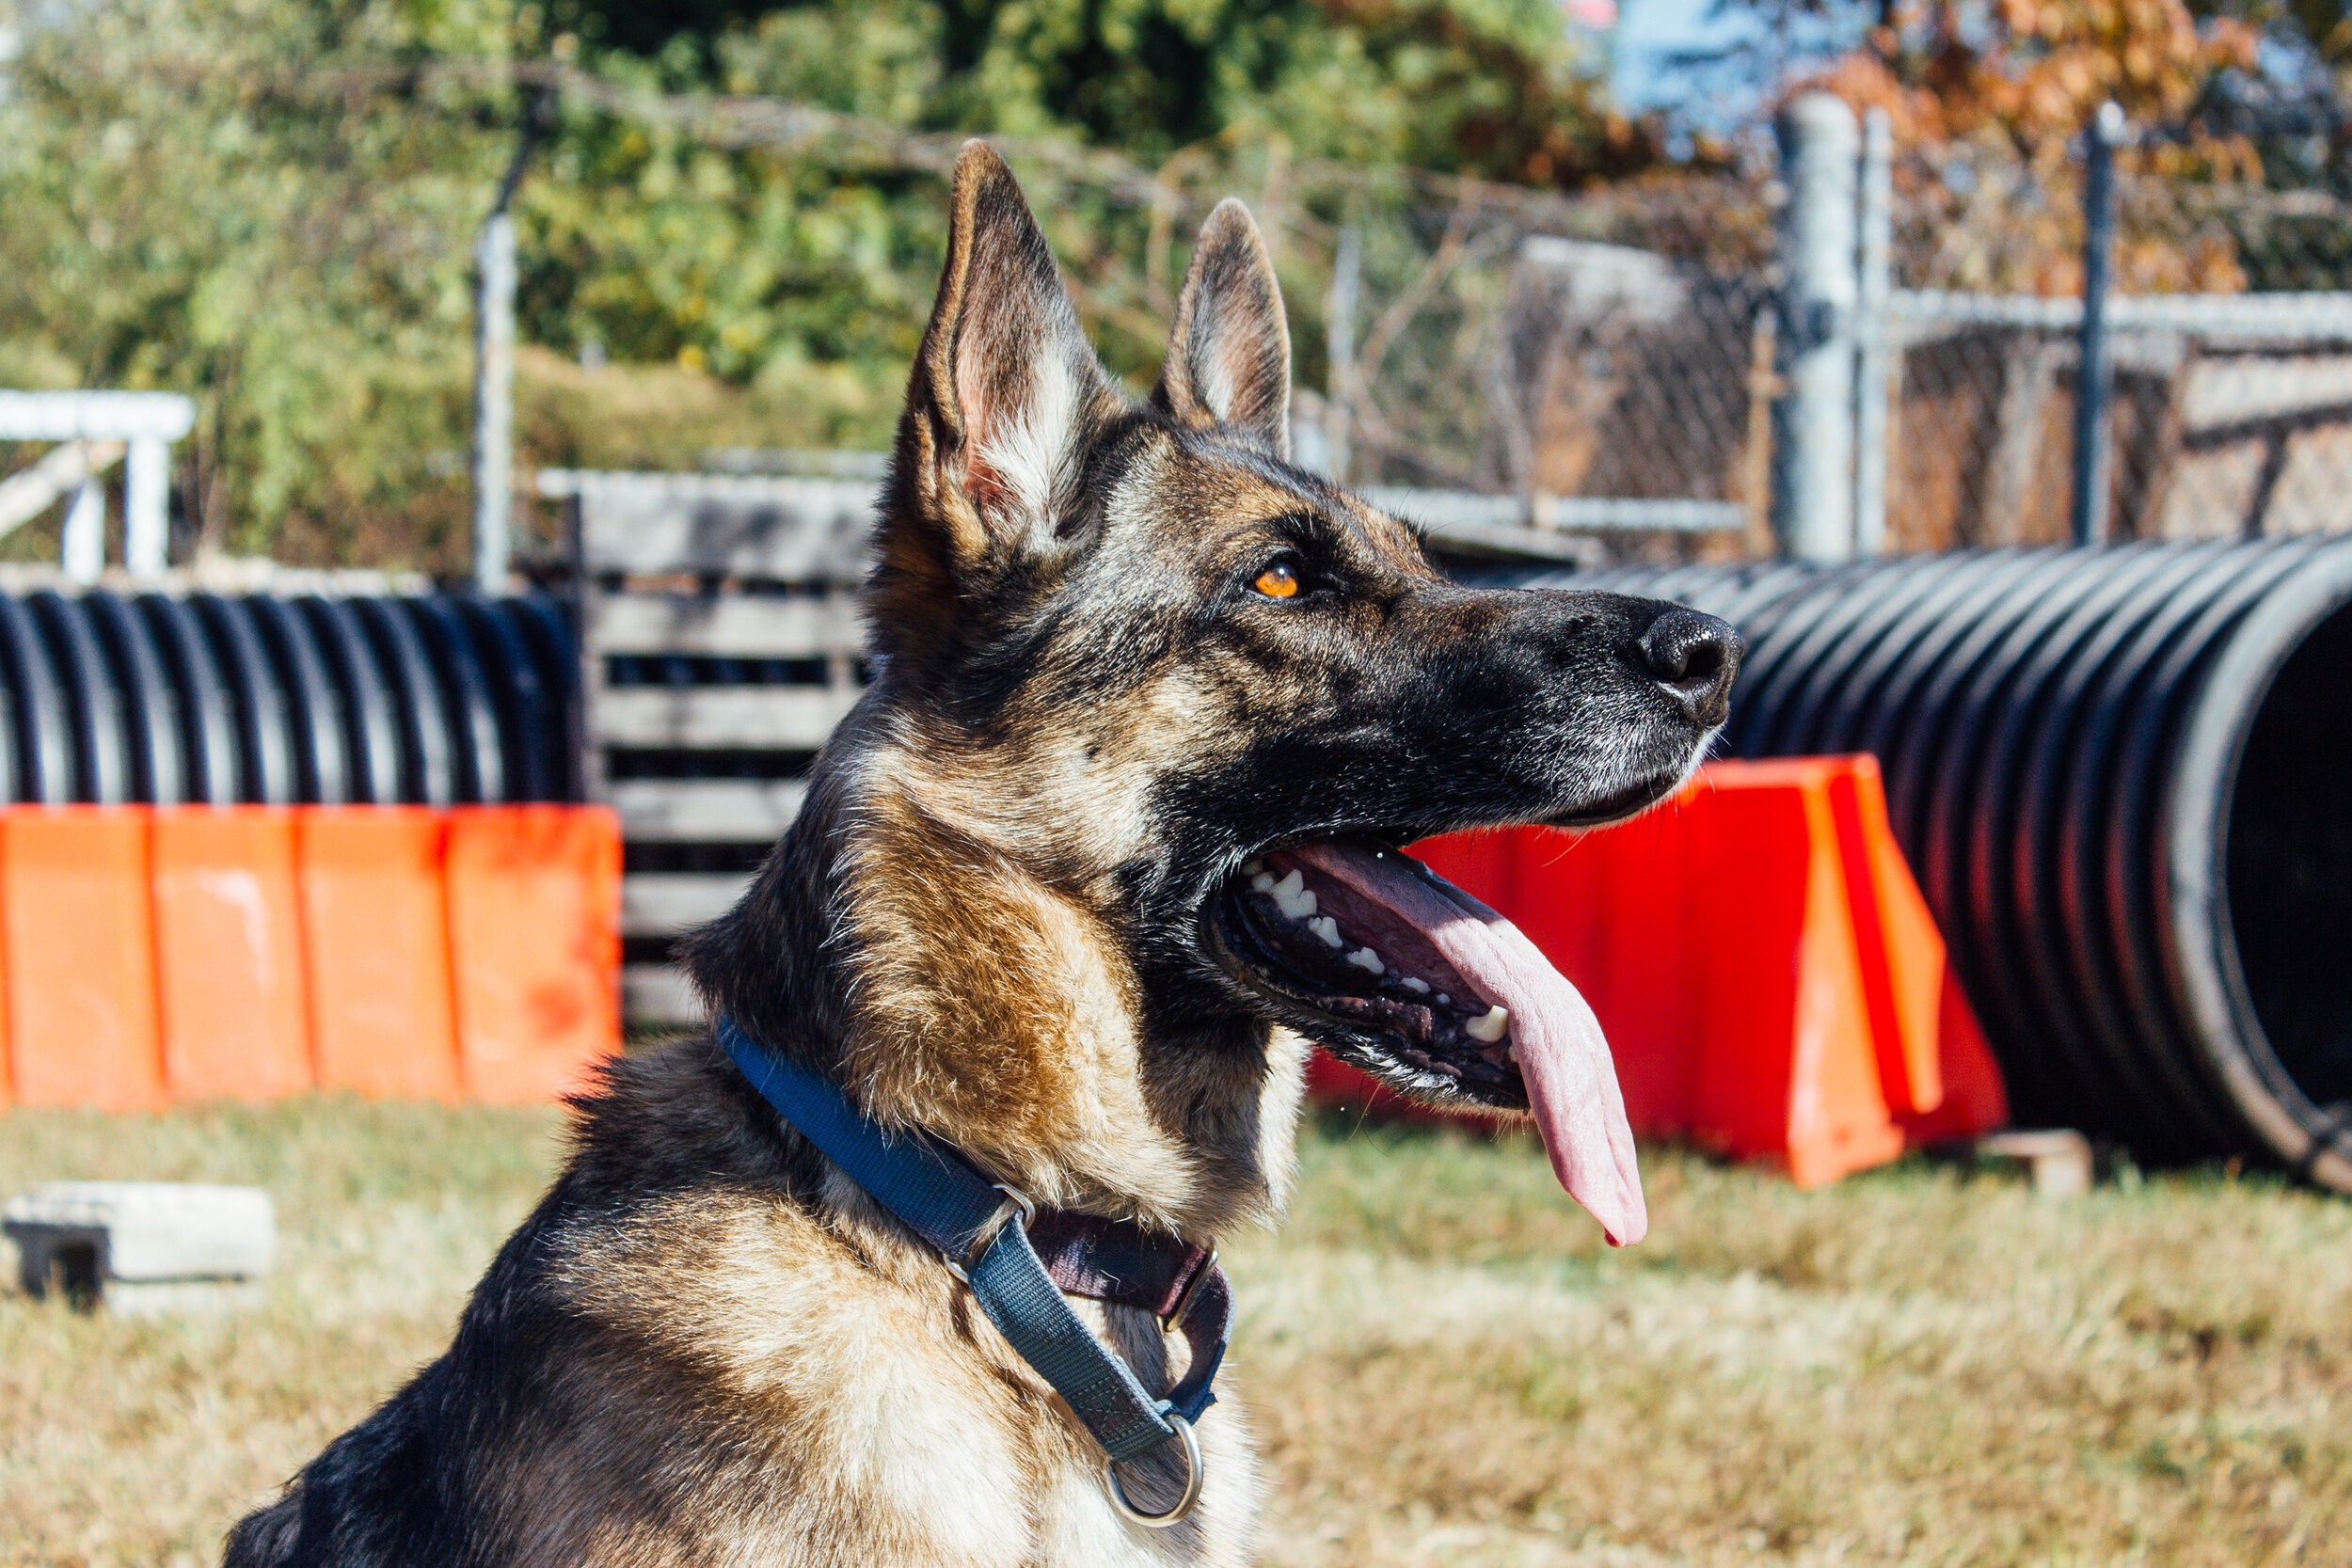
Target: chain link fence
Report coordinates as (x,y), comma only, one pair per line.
(1606,366)
(1594,368)
(2230,413)
(1584,349)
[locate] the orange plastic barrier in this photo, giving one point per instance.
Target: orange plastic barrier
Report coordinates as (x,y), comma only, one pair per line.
(77,929)
(534,900)
(1771,980)
(375,923)
(229,954)
(202,953)
(1974,1101)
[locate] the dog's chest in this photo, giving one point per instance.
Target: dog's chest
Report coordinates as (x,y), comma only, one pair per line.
(933,1463)
(856,1418)
(976,1463)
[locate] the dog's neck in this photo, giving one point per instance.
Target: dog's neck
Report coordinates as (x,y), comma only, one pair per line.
(949,981)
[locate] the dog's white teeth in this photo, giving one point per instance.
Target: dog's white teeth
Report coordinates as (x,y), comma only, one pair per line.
(1415,984)
(1294,897)
(1490,1028)
(1327,928)
(1444,1001)
(1511,1054)
(1364,957)
(1253,868)
(1262,882)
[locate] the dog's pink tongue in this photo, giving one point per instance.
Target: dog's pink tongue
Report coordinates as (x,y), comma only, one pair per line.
(1571,1081)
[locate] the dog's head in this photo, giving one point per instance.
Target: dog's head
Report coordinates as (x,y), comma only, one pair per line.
(1155,709)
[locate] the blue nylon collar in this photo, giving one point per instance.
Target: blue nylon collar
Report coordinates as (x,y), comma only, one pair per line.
(937,1194)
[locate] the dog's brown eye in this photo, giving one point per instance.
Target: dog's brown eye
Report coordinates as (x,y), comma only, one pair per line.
(1276,582)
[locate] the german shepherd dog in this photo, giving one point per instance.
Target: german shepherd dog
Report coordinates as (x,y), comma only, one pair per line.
(1107,846)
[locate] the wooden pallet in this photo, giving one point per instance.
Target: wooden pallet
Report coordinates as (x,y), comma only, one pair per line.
(719,645)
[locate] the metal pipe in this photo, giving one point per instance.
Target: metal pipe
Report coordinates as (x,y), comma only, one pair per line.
(1339,386)
(2272,318)
(82,547)
(148,423)
(1873,358)
(493,464)
(29,492)
(1813,443)
(493,402)
(147,506)
(2095,372)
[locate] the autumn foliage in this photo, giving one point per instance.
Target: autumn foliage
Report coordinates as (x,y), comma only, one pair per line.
(2009,88)
(2033,71)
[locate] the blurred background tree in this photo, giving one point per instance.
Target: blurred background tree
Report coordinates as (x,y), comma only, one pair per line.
(270,203)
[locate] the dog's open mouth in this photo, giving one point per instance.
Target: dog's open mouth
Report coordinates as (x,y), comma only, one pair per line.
(1317,942)
(1411,976)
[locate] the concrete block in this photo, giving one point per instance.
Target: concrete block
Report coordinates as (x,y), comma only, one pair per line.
(143,1247)
(2059,1158)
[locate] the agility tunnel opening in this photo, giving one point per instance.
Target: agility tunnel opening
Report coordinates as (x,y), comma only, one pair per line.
(2282,933)
(2290,865)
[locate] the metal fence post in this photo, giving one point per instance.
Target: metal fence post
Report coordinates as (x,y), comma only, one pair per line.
(1873,355)
(493,464)
(1339,384)
(83,545)
(2095,370)
(147,505)
(1813,418)
(493,400)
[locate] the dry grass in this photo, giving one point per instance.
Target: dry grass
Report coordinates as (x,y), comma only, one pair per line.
(139,1442)
(1913,1367)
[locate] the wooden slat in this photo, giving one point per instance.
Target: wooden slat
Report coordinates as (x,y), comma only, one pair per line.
(784,717)
(653,995)
(785,530)
(735,626)
(658,903)
(707,811)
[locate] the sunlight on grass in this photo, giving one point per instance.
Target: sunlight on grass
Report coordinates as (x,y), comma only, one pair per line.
(1444,1362)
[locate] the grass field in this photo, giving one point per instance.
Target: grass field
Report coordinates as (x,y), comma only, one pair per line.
(1445,1366)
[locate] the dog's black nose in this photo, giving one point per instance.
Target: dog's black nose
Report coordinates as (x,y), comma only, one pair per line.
(1695,656)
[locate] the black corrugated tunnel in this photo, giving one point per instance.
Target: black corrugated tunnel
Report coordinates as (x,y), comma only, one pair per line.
(2124,779)
(427,699)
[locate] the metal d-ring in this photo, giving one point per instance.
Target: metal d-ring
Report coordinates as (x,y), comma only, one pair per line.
(1192,1482)
(1020,1201)
(1028,1217)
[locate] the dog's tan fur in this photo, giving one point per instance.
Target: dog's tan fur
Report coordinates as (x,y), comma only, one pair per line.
(708,1347)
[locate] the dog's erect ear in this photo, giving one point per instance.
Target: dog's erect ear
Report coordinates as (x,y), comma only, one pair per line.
(1228,350)
(1004,382)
